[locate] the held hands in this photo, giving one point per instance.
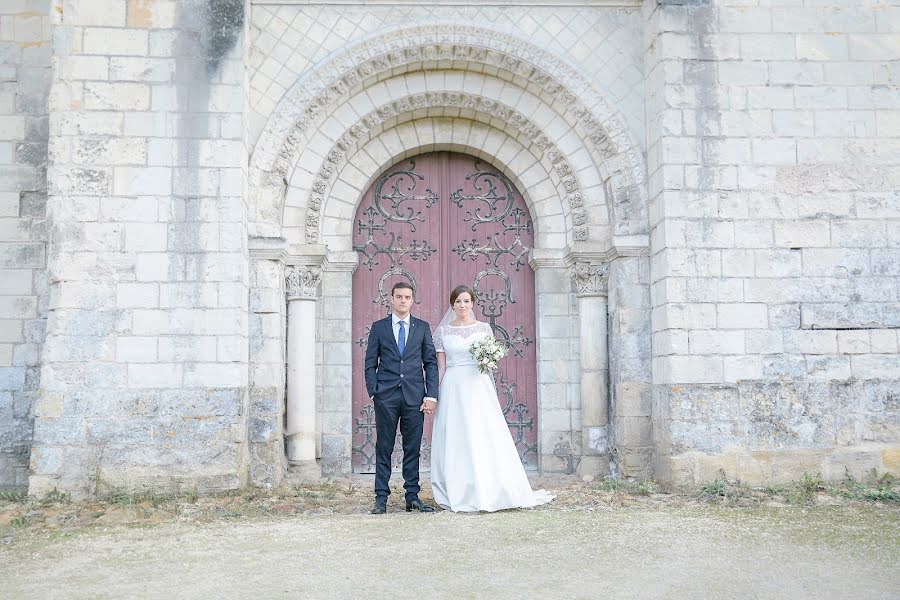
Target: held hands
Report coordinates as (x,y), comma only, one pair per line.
(428,407)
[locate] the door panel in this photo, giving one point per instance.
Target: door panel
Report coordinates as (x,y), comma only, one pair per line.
(437,221)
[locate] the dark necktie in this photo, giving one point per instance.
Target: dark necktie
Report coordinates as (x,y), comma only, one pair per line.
(401,339)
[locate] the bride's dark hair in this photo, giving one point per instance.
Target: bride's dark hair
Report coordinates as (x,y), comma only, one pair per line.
(459,290)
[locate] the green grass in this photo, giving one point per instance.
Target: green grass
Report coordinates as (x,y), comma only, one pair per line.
(13,495)
(55,497)
(20,521)
(884,488)
(872,488)
(634,488)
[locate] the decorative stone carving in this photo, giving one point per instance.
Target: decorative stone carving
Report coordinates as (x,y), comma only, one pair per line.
(302,282)
(591,279)
(490,110)
(407,50)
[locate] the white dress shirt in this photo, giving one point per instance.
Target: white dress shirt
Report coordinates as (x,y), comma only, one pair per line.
(395,320)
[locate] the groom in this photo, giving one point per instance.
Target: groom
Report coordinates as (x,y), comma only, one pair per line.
(400,349)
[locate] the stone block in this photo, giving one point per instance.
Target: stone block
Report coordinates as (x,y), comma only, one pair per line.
(835,262)
(857,462)
(822,47)
(98,13)
(122,42)
(828,367)
(884,341)
(158,375)
(18,307)
(12,127)
(876,366)
(810,342)
(116,96)
(136,349)
(144,181)
(687,369)
(740,368)
(75,181)
(791,466)
(859,234)
(820,97)
(188,295)
(717,466)
(738,263)
(159,266)
(774,151)
(684,316)
(764,341)
(145,237)
(784,366)
(853,342)
(832,315)
(213,375)
(798,234)
(716,342)
(890,458)
(112,151)
(743,315)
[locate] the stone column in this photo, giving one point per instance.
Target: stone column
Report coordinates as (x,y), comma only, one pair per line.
(591,280)
(559,408)
(301,287)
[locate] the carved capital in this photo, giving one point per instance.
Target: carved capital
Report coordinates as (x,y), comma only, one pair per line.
(302,282)
(591,279)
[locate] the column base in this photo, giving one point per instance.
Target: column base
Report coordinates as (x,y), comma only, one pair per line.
(593,466)
(303,471)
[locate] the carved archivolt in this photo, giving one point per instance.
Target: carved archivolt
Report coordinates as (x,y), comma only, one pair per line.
(451,44)
(514,120)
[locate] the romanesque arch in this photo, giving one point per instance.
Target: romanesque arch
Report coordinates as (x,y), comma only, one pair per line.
(476,91)
(309,105)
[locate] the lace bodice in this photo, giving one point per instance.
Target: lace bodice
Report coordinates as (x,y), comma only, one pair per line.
(455,341)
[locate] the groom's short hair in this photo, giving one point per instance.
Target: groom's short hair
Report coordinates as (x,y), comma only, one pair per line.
(403,285)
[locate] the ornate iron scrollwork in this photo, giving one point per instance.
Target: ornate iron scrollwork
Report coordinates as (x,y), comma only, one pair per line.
(363,341)
(491,302)
(493,250)
(415,250)
(402,182)
(489,197)
(366,448)
(518,425)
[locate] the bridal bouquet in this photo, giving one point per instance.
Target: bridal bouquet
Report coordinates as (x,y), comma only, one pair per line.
(487,352)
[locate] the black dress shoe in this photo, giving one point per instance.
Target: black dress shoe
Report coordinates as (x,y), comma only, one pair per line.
(380,507)
(418,505)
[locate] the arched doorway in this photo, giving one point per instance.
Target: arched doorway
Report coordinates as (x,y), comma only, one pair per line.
(436,221)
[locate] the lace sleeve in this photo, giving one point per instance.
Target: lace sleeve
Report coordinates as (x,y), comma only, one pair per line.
(486,328)
(439,339)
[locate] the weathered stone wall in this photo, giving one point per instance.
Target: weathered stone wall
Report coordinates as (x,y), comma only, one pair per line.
(24,85)
(773,151)
(759,338)
(144,369)
(630,372)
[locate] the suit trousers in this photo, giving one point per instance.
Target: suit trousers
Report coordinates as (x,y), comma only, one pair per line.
(391,409)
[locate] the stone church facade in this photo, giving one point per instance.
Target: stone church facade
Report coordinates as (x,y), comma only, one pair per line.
(711,187)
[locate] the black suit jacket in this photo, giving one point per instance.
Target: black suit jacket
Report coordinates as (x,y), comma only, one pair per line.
(386,371)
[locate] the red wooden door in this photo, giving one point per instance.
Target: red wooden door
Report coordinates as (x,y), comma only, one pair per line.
(437,221)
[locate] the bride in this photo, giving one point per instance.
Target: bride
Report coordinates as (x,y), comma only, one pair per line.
(474,462)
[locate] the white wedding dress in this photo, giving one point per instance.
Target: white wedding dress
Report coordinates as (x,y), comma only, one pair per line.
(474,462)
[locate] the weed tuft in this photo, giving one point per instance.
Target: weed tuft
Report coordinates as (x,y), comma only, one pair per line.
(54,496)
(13,495)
